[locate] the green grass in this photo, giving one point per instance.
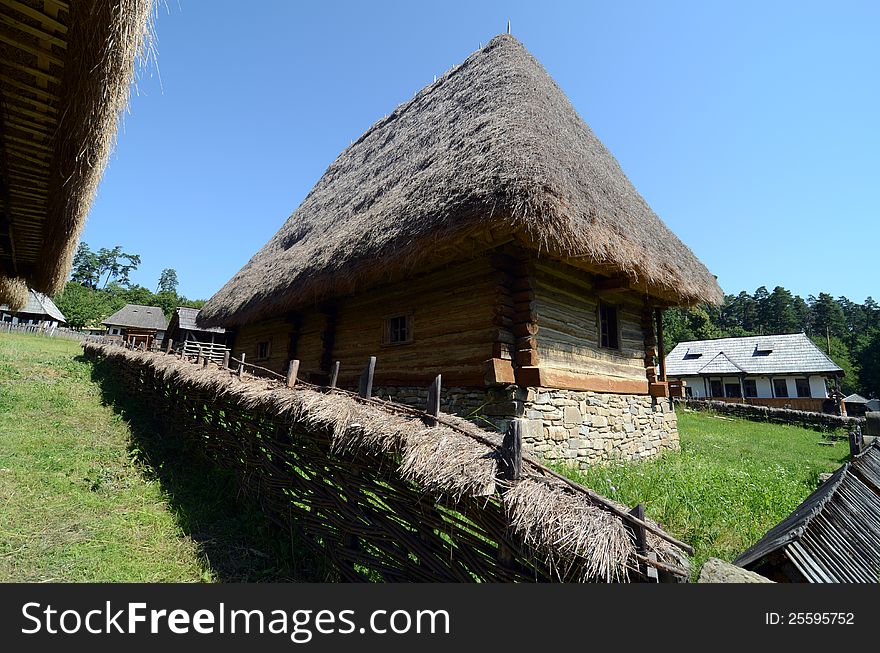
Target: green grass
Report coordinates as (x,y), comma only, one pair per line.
(90,492)
(731,482)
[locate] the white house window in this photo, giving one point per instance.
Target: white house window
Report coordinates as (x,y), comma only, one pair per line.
(731,390)
(716,388)
(398,330)
(780,388)
(803,387)
(608,332)
(750,387)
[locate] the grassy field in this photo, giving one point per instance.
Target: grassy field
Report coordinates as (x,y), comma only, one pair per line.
(731,482)
(89,493)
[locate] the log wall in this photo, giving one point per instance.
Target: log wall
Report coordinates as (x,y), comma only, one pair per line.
(568,326)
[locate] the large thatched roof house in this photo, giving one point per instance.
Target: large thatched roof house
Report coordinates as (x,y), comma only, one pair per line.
(481,231)
(65,71)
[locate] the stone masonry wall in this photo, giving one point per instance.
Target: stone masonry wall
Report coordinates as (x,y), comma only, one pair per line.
(582,428)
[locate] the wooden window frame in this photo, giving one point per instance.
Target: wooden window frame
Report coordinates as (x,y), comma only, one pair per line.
(602,331)
(776,393)
(386,329)
(268,355)
(746,384)
(797,388)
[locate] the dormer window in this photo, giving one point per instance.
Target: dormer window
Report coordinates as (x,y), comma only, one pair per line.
(692,355)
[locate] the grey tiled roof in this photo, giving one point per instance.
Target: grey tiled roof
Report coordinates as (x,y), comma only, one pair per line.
(38,304)
(187,320)
(141,317)
(855,399)
(832,536)
(792,353)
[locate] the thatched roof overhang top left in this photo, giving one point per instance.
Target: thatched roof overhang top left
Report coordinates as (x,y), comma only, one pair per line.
(492,152)
(65,72)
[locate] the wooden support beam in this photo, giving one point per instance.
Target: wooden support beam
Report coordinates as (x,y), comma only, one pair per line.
(510,460)
(334,375)
(292,371)
(169,345)
(226,360)
(241,365)
(612,285)
(433,408)
(661,351)
(365,387)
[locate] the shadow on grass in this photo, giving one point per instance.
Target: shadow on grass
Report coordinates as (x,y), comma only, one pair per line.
(239,542)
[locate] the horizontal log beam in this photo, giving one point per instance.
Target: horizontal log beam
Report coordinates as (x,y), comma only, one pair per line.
(563,380)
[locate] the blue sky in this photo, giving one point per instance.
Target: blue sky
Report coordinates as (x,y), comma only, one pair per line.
(750,128)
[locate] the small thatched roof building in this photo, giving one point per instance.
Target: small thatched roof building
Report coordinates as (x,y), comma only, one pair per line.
(65,68)
(481,231)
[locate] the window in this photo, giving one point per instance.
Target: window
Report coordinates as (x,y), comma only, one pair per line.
(608,336)
(263,349)
(716,389)
(750,387)
(803,387)
(398,330)
(731,390)
(780,388)
(688,391)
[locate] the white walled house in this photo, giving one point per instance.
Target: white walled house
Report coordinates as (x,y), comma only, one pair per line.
(781,370)
(39,310)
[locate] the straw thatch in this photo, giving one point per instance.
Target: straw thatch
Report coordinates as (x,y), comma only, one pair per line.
(381,460)
(66,73)
(492,150)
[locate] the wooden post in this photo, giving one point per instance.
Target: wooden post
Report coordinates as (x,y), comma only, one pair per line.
(855,441)
(226,360)
(334,375)
(199,357)
(641,541)
(168,346)
(661,350)
(292,370)
(511,451)
(365,387)
(433,408)
(241,365)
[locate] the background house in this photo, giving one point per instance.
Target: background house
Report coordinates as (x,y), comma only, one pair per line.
(856,405)
(38,309)
(480,231)
(778,370)
(137,324)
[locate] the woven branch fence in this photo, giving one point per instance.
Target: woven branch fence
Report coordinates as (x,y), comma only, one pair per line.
(384,496)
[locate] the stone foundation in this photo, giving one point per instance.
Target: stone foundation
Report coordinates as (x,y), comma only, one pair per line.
(582,428)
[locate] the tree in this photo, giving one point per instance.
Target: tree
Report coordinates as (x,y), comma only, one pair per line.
(779,315)
(85,266)
(168,281)
(82,305)
(840,354)
(826,316)
(116,264)
(869,364)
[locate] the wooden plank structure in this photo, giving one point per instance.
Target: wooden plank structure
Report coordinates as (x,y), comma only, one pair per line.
(65,70)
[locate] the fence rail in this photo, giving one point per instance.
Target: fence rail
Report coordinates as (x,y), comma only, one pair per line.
(387,491)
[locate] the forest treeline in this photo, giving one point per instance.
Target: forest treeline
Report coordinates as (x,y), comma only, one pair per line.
(851,329)
(100,285)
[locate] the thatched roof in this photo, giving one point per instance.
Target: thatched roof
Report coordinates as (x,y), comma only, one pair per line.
(492,151)
(138,317)
(65,69)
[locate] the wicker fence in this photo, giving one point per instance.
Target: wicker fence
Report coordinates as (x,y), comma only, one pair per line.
(386,492)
